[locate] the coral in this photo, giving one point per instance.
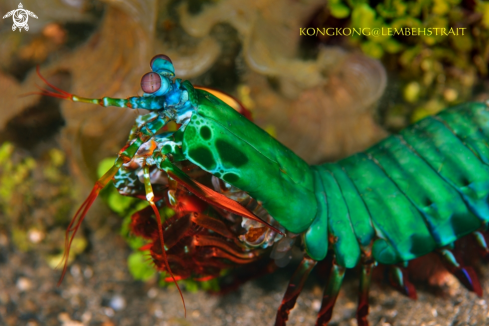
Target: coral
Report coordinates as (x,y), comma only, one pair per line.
(437,67)
(333,119)
(312,106)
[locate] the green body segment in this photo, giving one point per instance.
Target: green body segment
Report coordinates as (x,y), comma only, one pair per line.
(315,238)
(453,161)
(340,230)
(402,231)
(413,192)
(441,206)
(359,215)
(223,142)
(470,122)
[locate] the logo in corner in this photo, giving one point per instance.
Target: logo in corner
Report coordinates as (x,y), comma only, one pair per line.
(20,16)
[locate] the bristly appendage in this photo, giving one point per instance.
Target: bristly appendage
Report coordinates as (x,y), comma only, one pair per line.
(100,184)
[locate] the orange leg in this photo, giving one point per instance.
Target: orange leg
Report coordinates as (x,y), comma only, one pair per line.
(150,198)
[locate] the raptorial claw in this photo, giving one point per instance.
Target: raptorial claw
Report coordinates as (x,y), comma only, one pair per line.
(210,195)
(196,245)
(150,198)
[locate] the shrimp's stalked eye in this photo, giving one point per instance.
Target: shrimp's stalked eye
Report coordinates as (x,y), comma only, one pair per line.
(160,56)
(153,83)
(162,64)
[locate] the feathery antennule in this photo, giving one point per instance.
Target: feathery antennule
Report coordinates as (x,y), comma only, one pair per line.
(60,93)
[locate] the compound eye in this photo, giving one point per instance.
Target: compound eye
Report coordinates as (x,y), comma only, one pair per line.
(151,82)
(162,64)
(160,56)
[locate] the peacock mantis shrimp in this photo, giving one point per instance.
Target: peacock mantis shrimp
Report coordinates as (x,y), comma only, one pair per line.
(237,191)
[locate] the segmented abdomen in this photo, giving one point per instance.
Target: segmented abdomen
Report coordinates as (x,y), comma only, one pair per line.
(413,192)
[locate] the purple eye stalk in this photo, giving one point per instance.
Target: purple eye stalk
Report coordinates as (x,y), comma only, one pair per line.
(157,82)
(162,64)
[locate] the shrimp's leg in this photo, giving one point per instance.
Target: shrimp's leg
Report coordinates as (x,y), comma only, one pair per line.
(331,291)
(365,278)
(150,198)
(465,274)
(143,131)
(294,289)
(399,279)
